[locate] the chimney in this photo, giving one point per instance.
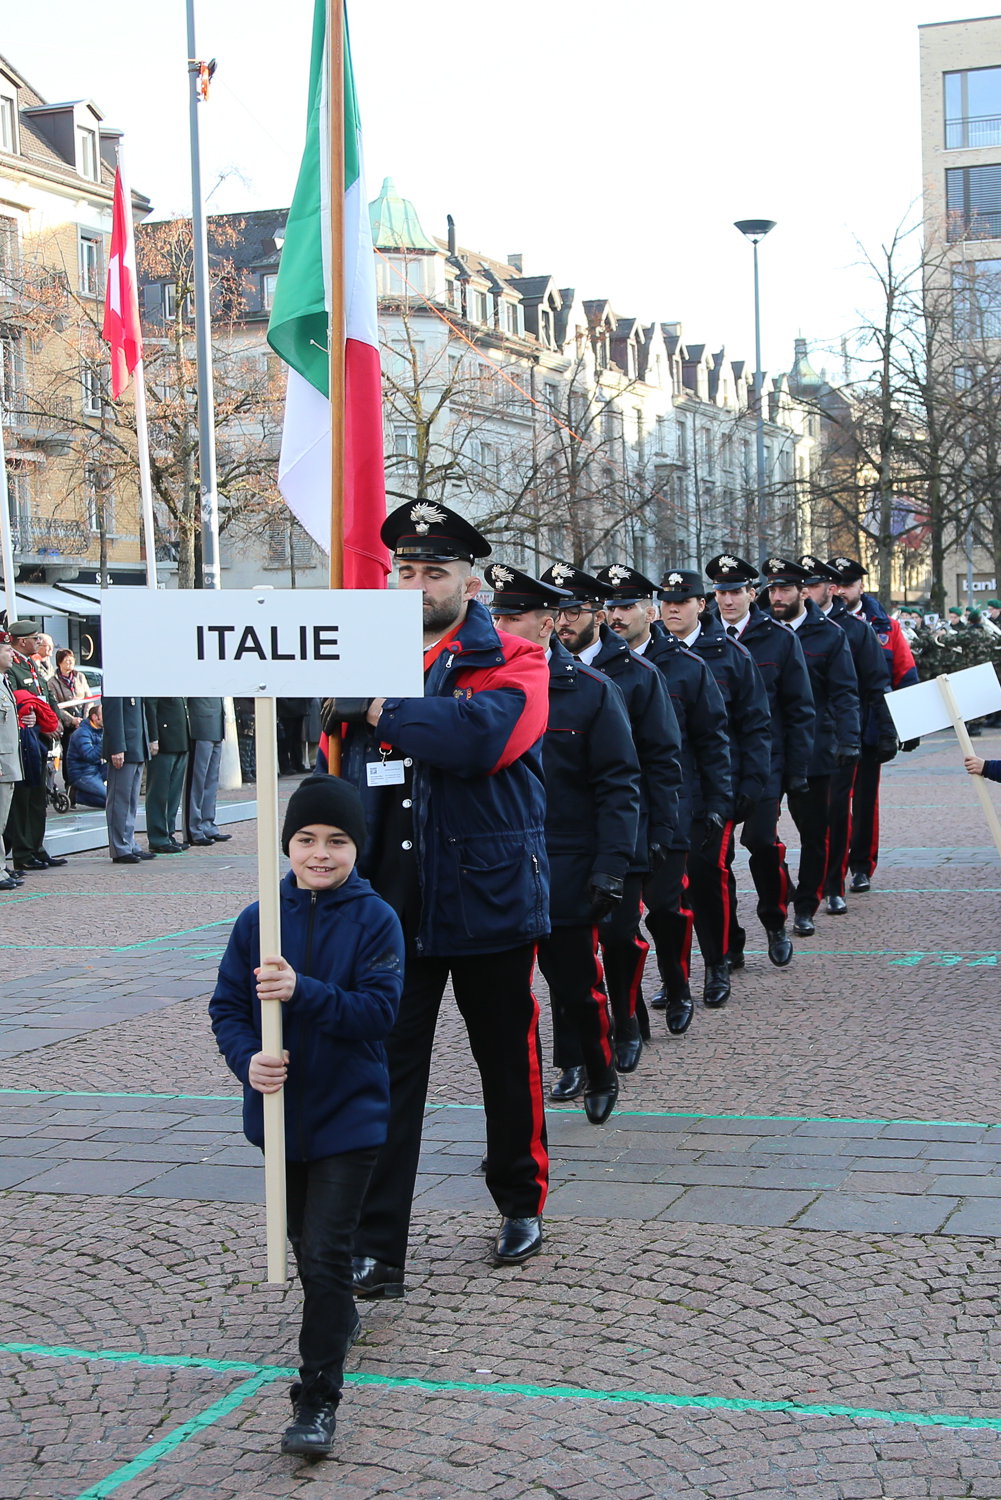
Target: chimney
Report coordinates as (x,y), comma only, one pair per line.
(451,235)
(515,259)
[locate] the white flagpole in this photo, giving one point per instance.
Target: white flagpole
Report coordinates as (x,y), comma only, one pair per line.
(139,389)
(6,540)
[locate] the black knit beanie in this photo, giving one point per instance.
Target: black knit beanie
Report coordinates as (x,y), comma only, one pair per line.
(328,800)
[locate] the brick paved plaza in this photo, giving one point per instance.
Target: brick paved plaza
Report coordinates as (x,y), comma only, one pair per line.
(774,1273)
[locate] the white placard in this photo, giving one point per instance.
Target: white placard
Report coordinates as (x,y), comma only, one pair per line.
(922,709)
(263,643)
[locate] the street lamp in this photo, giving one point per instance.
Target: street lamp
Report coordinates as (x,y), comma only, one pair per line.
(755,230)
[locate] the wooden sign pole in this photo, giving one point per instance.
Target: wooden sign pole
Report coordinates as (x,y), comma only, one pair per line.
(266,741)
(966,745)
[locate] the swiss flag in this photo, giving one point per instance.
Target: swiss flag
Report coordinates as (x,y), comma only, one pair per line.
(121,303)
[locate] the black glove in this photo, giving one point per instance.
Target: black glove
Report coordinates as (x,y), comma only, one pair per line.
(604,893)
(742,807)
(886,748)
(337,711)
(714,825)
(910,744)
(796,784)
(658,854)
(846,755)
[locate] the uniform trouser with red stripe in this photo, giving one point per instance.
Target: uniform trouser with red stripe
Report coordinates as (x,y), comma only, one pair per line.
(582,1022)
(493,992)
(841,814)
(864,852)
(760,837)
(810,812)
(709,861)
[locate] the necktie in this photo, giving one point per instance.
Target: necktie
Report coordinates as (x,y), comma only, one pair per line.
(732,630)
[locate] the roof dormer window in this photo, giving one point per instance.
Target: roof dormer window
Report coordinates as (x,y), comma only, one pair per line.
(8,123)
(88,160)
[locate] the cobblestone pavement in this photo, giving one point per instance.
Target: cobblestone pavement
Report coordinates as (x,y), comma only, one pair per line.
(773,1274)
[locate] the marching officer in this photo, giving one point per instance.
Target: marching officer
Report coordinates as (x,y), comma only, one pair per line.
(837,736)
(455,809)
(655,874)
(864,851)
(878,732)
(777,655)
(749,730)
(592,822)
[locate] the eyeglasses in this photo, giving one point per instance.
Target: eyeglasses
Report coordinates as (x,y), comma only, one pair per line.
(574,611)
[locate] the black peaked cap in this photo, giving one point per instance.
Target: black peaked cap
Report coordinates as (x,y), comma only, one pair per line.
(424,531)
(624,585)
(819,571)
(515,591)
(848,570)
(578,584)
(728,571)
(678,584)
(781,570)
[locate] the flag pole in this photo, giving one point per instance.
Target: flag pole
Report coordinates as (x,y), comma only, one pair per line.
(6,537)
(139,393)
(335,116)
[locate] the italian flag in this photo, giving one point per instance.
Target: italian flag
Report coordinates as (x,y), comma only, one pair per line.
(298,331)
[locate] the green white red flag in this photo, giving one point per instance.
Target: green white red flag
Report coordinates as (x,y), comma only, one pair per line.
(121,327)
(298,330)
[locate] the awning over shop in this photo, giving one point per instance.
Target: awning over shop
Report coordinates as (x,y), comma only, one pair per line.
(45,600)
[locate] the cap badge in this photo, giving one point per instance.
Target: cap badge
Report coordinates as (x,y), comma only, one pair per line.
(561,572)
(500,574)
(618,574)
(775,563)
(842,562)
(424,515)
(727,564)
(675,580)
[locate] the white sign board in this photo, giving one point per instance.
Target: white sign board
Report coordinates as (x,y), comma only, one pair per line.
(922,709)
(263,643)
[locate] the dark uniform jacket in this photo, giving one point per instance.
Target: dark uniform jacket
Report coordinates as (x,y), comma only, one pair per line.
(592,785)
(899,656)
(748,715)
(125,729)
(701,714)
(835,689)
(206,719)
(872,668)
(167,723)
(781,664)
(658,744)
(458,847)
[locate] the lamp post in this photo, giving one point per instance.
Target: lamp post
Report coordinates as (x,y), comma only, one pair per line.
(755,230)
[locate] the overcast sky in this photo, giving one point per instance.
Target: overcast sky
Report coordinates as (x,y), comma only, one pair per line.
(612,145)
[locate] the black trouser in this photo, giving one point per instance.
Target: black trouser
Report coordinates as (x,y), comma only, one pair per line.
(841,817)
(769,871)
(709,861)
(669,922)
(582,1023)
(324,1200)
(864,852)
(810,813)
(24,834)
(493,992)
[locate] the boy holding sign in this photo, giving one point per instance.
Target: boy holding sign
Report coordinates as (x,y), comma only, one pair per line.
(339,978)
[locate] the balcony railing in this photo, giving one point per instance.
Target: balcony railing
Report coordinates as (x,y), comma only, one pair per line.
(975,130)
(28,413)
(45,536)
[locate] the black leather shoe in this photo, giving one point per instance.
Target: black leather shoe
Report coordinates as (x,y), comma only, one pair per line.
(220,838)
(202,843)
(125,859)
(32,864)
(599,1103)
(717,985)
(311,1434)
(659,1001)
(628,1053)
(570,1085)
(803,926)
(180,844)
(166,849)
(680,1011)
(373,1278)
(735,961)
(50,862)
(779,947)
(518,1240)
(145,854)
(12,875)
(836,906)
(9,885)
(860,882)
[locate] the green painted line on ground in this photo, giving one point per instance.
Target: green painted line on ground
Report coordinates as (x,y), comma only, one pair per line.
(182,932)
(653,1114)
(156,1451)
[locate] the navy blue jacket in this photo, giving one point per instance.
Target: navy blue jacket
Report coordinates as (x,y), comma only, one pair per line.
(592,785)
(125,730)
(872,668)
(657,738)
(346,947)
(781,664)
(701,714)
(86,771)
(749,719)
(472,753)
(835,689)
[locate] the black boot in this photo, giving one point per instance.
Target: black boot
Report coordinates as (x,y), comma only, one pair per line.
(311,1434)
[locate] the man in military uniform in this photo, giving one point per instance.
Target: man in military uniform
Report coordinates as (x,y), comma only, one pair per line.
(11,770)
(837,736)
(24,834)
(455,804)
(592,824)
(749,730)
(878,733)
(863,854)
(655,876)
(779,660)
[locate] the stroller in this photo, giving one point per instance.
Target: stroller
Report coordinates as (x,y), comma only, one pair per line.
(55,793)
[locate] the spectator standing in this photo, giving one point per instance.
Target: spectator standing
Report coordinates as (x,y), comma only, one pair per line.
(24,835)
(86,770)
(10,753)
(207,728)
(167,725)
(43,656)
(127,748)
